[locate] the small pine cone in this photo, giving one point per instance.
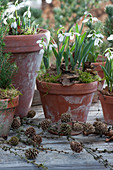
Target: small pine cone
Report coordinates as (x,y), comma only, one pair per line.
(76,146)
(88,129)
(31,114)
(37,139)
(14,141)
(66,117)
(100,127)
(30,132)
(31,153)
(16,123)
(77,127)
(45,124)
(65,129)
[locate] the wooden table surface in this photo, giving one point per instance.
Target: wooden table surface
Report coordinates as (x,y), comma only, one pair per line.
(61,161)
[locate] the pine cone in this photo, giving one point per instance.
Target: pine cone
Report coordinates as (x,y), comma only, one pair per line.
(66,117)
(31,114)
(88,129)
(77,127)
(65,129)
(100,127)
(31,153)
(30,132)
(14,141)
(37,139)
(76,146)
(45,124)
(16,123)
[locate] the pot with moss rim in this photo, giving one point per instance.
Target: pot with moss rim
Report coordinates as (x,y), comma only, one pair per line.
(7,111)
(26,53)
(75,99)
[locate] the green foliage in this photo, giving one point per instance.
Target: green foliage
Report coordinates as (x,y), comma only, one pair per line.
(85,77)
(70,11)
(108,69)
(108,25)
(48,78)
(7,69)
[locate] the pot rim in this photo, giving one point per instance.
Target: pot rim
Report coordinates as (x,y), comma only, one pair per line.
(55,88)
(10,103)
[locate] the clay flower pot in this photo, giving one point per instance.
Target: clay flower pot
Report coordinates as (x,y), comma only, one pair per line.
(26,53)
(101,74)
(75,99)
(107,107)
(7,111)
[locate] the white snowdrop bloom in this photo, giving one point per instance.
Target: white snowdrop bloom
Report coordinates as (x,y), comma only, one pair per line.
(110,37)
(68,34)
(29,14)
(52,45)
(25,13)
(99,35)
(94,19)
(97,41)
(109,55)
(86,12)
(14,25)
(76,33)
(90,35)
(85,20)
(47,35)
(41,51)
(40,43)
(60,37)
(5,21)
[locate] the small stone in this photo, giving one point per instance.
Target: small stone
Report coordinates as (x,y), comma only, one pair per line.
(76,147)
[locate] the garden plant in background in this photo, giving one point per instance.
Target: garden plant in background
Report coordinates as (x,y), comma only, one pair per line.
(106,95)
(21,41)
(69,76)
(9,96)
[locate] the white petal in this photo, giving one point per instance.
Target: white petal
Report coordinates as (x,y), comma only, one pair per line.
(99,35)
(39,41)
(110,37)
(61,37)
(94,19)
(41,51)
(29,14)
(76,33)
(67,34)
(90,35)
(85,20)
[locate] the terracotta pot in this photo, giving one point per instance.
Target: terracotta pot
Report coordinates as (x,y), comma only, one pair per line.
(107,107)
(25,52)
(7,111)
(57,99)
(101,74)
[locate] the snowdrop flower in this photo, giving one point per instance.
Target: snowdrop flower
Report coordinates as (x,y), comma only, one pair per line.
(91,35)
(91,19)
(110,37)
(52,45)
(109,55)
(41,51)
(42,43)
(14,25)
(60,37)
(99,35)
(47,35)
(5,21)
(97,41)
